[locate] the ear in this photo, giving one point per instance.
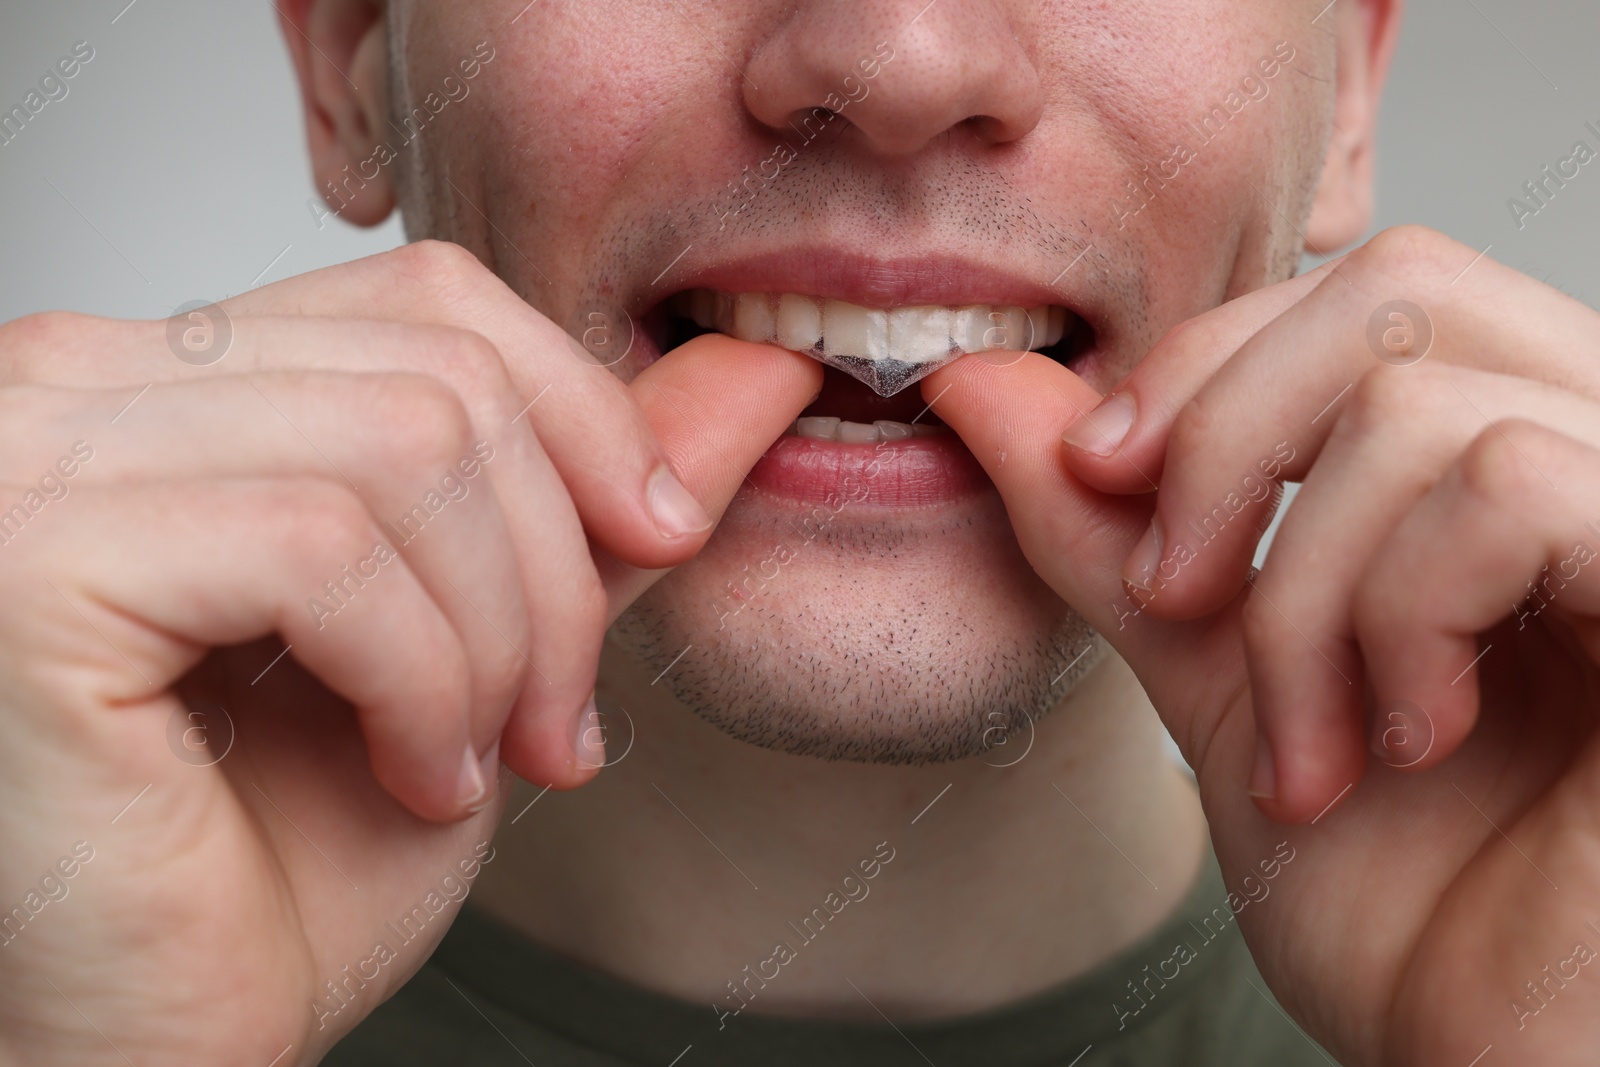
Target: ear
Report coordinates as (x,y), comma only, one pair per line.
(340,55)
(1367,32)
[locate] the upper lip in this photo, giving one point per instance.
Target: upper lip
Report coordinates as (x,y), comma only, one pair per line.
(831,273)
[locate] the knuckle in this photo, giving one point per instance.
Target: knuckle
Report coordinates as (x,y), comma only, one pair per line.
(435,261)
(507,670)
(1372,601)
(449,277)
(317,511)
(474,365)
(567,635)
(43,328)
(1416,253)
(1260,624)
(452,282)
(1195,336)
(1192,428)
(432,424)
(1387,396)
(1500,463)
(1176,340)
(590,607)
(27,341)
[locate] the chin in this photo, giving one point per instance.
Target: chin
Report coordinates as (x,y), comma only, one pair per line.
(864,597)
(859,626)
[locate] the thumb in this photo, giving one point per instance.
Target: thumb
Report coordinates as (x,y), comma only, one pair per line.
(1012,418)
(716,405)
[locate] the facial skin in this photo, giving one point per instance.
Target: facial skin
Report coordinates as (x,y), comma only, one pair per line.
(1396,937)
(1001,153)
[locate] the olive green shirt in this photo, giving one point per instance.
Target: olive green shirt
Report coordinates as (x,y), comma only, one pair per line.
(1187,996)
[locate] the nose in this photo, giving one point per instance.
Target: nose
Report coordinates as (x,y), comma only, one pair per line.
(901,72)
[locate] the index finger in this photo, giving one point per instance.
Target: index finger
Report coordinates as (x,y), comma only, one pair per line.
(611,463)
(1100,449)
(561,593)
(716,404)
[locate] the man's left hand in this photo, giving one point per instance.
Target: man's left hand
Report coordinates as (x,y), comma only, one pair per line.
(1412,678)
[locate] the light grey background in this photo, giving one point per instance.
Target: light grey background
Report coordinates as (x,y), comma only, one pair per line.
(178,160)
(176,170)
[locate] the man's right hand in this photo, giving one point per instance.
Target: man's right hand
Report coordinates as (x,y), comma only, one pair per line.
(405,475)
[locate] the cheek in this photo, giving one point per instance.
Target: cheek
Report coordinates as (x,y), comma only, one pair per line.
(591,118)
(622,99)
(1166,153)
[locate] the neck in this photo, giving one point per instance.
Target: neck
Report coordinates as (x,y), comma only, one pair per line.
(936,890)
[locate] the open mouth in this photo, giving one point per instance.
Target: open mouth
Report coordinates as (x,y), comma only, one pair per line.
(865,410)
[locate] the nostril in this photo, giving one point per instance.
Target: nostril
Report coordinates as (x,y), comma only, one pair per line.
(992,130)
(898,83)
(808,124)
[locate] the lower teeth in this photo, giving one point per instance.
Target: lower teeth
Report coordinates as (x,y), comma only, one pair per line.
(827,428)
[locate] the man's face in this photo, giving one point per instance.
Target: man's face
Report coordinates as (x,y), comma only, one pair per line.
(1132,163)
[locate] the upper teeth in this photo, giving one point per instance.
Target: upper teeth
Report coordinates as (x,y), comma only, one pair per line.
(911,335)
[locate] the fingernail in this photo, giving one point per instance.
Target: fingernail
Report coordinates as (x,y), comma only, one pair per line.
(1264,776)
(1140,569)
(588,739)
(675,510)
(1102,430)
(471,789)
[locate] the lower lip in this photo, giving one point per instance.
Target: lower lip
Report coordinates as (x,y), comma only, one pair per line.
(917,473)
